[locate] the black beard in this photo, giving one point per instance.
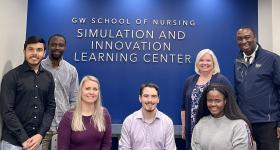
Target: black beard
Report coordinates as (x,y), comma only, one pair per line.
(56,56)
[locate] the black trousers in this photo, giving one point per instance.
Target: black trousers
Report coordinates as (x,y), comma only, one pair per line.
(265,135)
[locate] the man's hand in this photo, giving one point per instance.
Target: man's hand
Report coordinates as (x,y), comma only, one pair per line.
(35,141)
(278,132)
(26,144)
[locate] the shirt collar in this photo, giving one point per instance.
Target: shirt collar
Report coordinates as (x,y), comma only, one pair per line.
(49,62)
(139,114)
(26,67)
(253,55)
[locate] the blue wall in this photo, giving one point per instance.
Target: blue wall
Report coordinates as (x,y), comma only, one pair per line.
(209,24)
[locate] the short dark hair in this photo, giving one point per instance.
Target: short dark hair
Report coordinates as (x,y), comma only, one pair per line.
(151,85)
(34,39)
(56,35)
(247,27)
(231,109)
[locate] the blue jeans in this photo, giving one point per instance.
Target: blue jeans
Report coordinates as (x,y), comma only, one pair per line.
(8,146)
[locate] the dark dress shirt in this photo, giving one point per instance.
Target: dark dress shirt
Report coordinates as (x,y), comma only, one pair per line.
(27,103)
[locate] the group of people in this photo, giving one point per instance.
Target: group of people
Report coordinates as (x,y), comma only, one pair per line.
(42,98)
(218,116)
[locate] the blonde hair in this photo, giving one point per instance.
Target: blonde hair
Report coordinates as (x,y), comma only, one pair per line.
(216,67)
(97,117)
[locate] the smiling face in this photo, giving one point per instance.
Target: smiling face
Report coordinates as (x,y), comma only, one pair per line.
(34,53)
(216,103)
(56,47)
(246,40)
(205,64)
(149,99)
(90,92)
